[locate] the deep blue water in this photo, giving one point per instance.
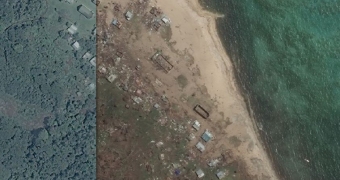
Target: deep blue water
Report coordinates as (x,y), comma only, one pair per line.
(286,54)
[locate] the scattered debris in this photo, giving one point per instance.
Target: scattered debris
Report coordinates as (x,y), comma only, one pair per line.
(102,70)
(176,165)
(206,136)
(137,67)
(139,92)
(117,61)
(213,163)
(111,78)
(157,106)
(117,23)
(155,11)
(161,157)
(121,68)
(196,125)
(199,173)
(191,137)
(159,144)
(149,168)
(117,7)
(200,146)
(158,82)
(163,121)
(164,98)
(177,172)
(156,25)
(125,87)
(166,20)
(119,54)
(137,99)
(162,61)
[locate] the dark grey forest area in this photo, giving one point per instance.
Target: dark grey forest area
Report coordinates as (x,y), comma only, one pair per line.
(47,91)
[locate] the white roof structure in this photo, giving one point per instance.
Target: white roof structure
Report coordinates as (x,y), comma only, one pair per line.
(92,86)
(161,156)
(207,136)
(137,99)
(76,45)
(93,61)
(115,22)
(72,29)
(221,174)
(200,146)
(213,162)
(128,15)
(191,137)
(87,56)
(112,78)
(166,20)
(156,106)
(199,173)
(196,125)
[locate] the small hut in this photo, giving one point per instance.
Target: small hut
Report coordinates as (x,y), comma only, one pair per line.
(72,29)
(76,45)
(200,146)
(87,56)
(206,136)
(117,23)
(128,15)
(196,125)
(221,174)
(199,173)
(93,61)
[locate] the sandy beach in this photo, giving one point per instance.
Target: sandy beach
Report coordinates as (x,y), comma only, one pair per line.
(198,35)
(197,53)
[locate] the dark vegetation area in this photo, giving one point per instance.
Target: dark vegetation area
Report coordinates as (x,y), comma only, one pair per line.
(47,103)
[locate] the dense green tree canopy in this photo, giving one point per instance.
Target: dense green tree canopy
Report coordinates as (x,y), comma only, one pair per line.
(47,111)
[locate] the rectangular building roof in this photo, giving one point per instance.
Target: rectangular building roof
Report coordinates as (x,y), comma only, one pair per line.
(221,174)
(85,11)
(128,15)
(200,146)
(93,61)
(72,29)
(76,45)
(206,136)
(199,173)
(196,125)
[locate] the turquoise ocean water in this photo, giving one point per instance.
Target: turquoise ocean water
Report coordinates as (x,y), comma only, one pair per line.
(287,58)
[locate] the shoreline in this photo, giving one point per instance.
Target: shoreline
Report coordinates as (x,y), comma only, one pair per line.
(224,70)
